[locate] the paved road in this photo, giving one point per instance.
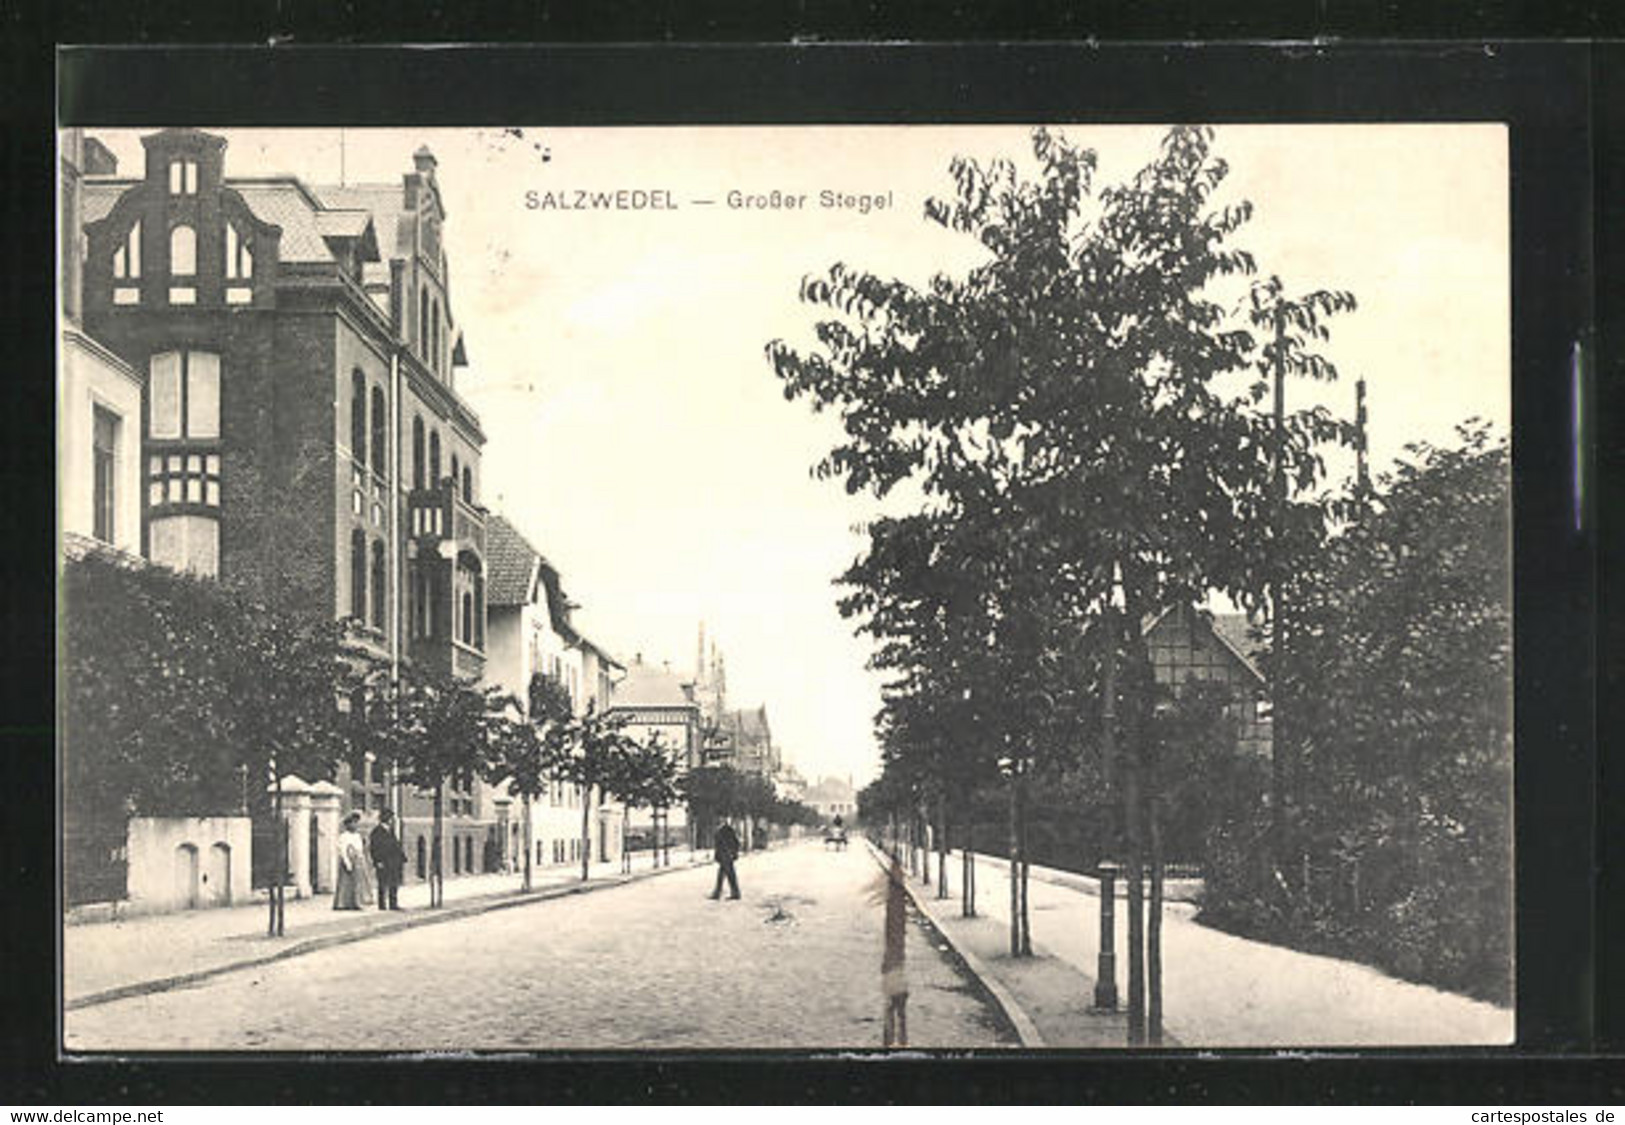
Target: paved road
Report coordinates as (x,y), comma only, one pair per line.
(650,966)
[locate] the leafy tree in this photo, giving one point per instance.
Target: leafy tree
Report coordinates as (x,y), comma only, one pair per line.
(438,728)
(594,752)
(647,778)
(1065,406)
(1398,671)
(184,696)
(527,752)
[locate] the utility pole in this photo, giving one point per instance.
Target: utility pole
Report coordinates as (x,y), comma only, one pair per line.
(1277,569)
(1363,470)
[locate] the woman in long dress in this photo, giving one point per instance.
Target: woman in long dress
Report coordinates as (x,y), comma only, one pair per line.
(352,855)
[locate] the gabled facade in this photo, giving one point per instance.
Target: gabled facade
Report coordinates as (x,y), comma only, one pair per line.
(530,633)
(299,430)
(1187,645)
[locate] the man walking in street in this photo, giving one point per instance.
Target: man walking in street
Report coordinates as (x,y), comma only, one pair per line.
(388,859)
(726,849)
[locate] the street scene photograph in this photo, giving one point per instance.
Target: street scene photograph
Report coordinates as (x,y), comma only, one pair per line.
(852,588)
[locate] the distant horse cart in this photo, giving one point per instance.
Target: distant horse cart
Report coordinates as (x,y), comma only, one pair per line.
(835,835)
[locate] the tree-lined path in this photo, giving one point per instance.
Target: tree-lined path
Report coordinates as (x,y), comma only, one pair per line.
(1225,991)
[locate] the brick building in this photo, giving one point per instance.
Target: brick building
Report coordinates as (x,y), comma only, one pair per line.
(301,433)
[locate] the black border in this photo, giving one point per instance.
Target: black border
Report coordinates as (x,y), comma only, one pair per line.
(1548,94)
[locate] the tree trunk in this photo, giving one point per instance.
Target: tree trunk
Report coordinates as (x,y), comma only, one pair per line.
(279,849)
(437,867)
(942,846)
(1021,822)
(1153,937)
(1015,874)
(529,843)
(586,831)
(1133,796)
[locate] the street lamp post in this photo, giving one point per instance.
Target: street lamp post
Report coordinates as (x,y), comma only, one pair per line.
(1106,970)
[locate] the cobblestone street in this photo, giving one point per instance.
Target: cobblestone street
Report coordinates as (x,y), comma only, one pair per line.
(652,965)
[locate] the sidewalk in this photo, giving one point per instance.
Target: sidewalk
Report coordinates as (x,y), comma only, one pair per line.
(1221,990)
(104,961)
(1045,996)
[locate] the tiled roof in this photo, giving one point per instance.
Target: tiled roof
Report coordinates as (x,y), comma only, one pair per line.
(284,203)
(386,203)
(97,196)
(648,686)
(1232,629)
(511,563)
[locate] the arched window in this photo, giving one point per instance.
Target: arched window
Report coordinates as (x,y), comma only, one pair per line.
(423,322)
(182,251)
(417,452)
(358,416)
(358,575)
(468,617)
(380,424)
(455,472)
(456,857)
(468,484)
(434,458)
(378,584)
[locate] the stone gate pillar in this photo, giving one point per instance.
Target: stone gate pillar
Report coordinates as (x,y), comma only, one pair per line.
(296,814)
(325,798)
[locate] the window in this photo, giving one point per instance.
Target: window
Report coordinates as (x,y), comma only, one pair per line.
(182,251)
(183,177)
(104,458)
(423,322)
(378,584)
(194,377)
(455,472)
(358,417)
(202,395)
(183,477)
(417,452)
(380,424)
(358,575)
(422,857)
(239,260)
(434,458)
(468,484)
(456,855)
(186,542)
(127,258)
(164,395)
(468,618)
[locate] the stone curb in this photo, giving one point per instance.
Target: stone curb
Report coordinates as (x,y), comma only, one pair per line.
(424,917)
(1026,1030)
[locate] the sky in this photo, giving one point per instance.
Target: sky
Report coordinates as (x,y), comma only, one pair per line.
(638,437)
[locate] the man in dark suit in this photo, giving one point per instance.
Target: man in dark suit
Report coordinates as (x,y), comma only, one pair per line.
(725,846)
(388,859)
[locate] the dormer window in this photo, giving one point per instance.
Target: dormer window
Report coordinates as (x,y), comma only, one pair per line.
(183,177)
(127,268)
(127,258)
(239,259)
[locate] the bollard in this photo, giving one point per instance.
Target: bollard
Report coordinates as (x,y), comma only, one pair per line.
(1106,973)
